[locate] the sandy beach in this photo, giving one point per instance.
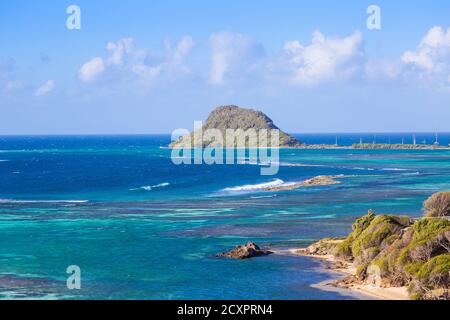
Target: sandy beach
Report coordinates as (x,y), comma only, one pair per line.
(348,271)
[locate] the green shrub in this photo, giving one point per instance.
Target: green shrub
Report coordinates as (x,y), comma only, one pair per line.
(438,205)
(436,272)
(382,263)
(413,268)
(344,250)
(406,254)
(382,231)
(361,271)
(424,241)
(416,296)
(362,223)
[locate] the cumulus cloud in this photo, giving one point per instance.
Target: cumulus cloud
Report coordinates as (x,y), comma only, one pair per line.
(119,50)
(431,59)
(234,56)
(173,63)
(127,62)
(231,53)
(238,58)
(181,50)
(325,59)
(92,69)
(46,88)
(383,70)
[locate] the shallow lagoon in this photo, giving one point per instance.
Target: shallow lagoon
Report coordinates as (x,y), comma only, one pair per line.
(141,228)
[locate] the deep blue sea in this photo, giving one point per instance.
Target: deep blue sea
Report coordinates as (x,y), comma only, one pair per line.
(140,227)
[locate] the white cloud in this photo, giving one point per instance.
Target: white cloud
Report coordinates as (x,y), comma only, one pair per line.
(119,50)
(231,53)
(147,68)
(92,69)
(46,88)
(324,60)
(127,62)
(431,59)
(182,49)
(384,69)
(239,59)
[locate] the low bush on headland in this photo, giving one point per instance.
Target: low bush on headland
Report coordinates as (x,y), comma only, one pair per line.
(400,251)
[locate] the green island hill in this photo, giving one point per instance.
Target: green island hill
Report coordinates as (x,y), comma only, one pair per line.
(237,118)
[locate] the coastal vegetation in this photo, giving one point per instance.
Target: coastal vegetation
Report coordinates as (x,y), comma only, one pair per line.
(397,251)
(438,205)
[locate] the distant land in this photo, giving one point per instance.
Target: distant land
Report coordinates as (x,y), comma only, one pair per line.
(235,117)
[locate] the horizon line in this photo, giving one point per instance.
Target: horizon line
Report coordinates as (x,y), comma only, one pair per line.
(168,134)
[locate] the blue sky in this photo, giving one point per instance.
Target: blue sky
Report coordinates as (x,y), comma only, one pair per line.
(155,66)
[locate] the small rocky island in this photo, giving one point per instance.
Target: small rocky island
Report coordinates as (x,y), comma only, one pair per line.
(234,117)
(250,250)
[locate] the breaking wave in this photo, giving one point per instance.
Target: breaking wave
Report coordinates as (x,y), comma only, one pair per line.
(150,188)
(11,201)
(255,187)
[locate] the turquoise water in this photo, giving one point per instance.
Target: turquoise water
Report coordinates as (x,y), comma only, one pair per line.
(140,227)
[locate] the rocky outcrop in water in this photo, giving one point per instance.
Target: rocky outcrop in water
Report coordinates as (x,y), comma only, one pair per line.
(250,250)
(313,182)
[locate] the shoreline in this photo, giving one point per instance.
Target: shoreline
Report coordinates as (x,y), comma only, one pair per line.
(332,147)
(346,283)
(371,146)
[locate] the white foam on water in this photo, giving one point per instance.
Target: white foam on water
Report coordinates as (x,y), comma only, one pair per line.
(263,197)
(7,201)
(150,188)
(255,187)
(393,169)
(411,173)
